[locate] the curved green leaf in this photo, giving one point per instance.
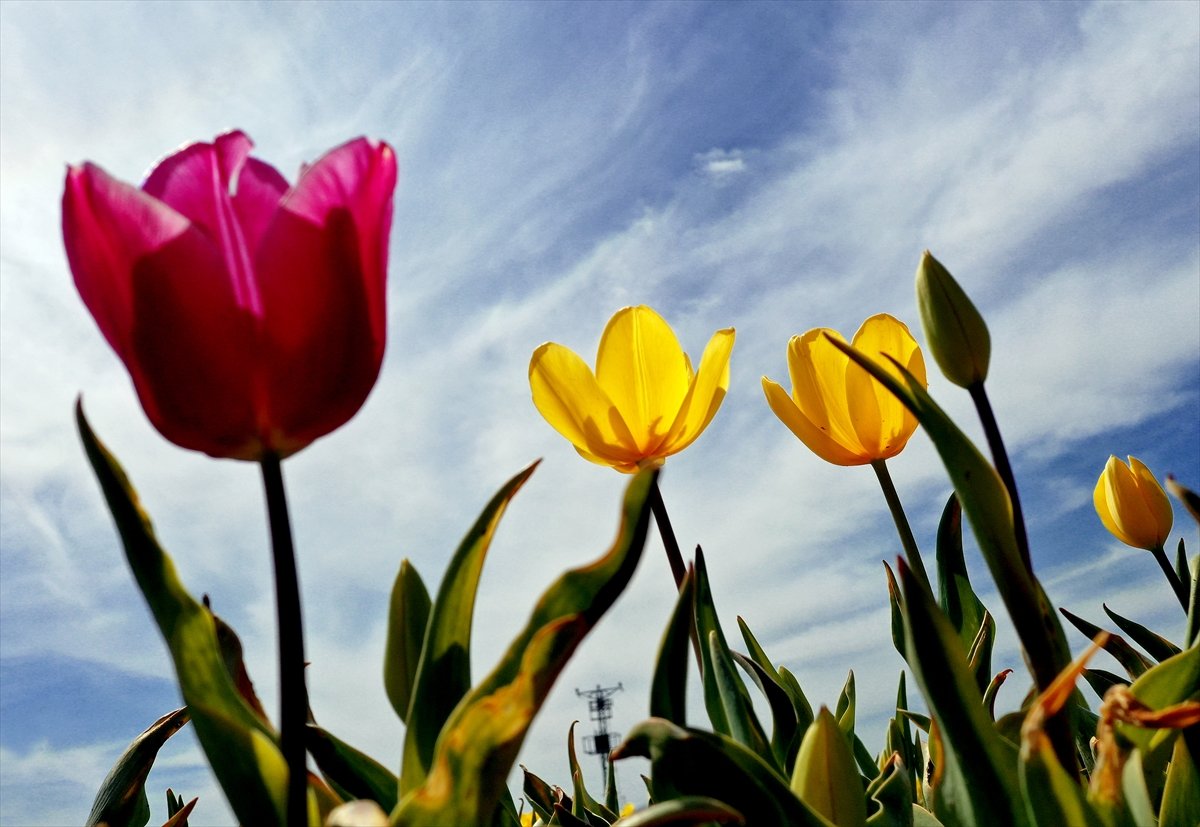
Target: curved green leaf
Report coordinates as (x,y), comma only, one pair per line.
(241,749)
(976,781)
(121,800)
(1181,795)
(351,770)
(891,792)
(1157,646)
(691,762)
(956,596)
(481,738)
(739,711)
(1135,662)
(443,675)
(408,618)
(668,687)
(583,801)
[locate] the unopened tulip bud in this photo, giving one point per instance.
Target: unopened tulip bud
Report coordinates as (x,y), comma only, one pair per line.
(955,332)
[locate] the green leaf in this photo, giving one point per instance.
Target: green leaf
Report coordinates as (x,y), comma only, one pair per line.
(979,655)
(687,810)
(241,749)
(958,600)
(785,717)
(986,503)
(783,714)
(443,675)
(1101,680)
(895,602)
(989,694)
(668,688)
(231,652)
(1157,646)
(845,718)
(1053,797)
(826,777)
(541,796)
(1192,635)
(355,772)
(706,621)
(976,780)
(1135,662)
(1181,795)
(891,792)
(408,618)
(612,799)
(804,711)
(690,762)
(584,803)
(739,712)
(179,815)
(121,800)
(482,737)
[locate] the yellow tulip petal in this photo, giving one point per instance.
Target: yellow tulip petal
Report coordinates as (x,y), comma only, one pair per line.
(1103,502)
(817,440)
(818,372)
(882,422)
(642,368)
(567,394)
(1157,504)
(705,394)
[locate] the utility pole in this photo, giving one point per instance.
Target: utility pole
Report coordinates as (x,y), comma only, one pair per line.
(600,742)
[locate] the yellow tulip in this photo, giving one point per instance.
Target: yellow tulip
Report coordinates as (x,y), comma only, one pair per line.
(1132,505)
(643,403)
(842,414)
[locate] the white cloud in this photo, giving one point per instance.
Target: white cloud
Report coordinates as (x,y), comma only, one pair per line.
(721,163)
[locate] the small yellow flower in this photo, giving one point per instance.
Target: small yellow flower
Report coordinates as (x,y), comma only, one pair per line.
(628,809)
(836,408)
(643,403)
(1132,505)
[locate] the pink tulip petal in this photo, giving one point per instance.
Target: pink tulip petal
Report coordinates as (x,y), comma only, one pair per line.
(259,189)
(358,177)
(109,225)
(197,181)
(192,350)
(319,348)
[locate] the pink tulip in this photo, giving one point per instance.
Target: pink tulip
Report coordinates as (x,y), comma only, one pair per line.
(250,314)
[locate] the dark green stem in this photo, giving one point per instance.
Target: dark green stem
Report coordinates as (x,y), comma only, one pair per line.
(293,694)
(1181,591)
(665,531)
(1000,457)
(911,552)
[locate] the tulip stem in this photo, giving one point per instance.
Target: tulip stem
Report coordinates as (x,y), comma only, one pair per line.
(1000,456)
(911,552)
(1181,591)
(293,694)
(659,509)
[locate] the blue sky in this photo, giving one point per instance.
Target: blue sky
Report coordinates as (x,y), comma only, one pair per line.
(772,167)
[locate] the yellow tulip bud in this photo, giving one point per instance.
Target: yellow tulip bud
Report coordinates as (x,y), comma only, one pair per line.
(1132,505)
(955,332)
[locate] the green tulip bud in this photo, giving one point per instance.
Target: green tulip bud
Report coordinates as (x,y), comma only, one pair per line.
(956,333)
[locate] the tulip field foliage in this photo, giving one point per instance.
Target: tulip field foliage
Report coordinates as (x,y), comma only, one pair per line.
(763,752)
